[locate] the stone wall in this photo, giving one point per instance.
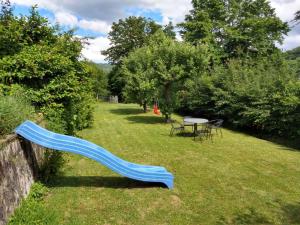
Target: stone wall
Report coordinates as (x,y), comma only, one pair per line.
(19,164)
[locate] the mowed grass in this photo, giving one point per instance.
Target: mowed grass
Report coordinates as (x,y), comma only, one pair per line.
(237,179)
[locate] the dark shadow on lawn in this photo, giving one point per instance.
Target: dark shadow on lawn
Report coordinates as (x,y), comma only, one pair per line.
(126,111)
(184,134)
(249,217)
(98,181)
(291,213)
(287,144)
(146,119)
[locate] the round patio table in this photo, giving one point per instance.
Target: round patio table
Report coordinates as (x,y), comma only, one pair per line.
(195,121)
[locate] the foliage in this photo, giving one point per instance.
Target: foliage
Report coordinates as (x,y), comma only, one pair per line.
(32,210)
(234,27)
(46,64)
(127,35)
(52,165)
(13,111)
(98,79)
(116,82)
(160,67)
(138,71)
(293,54)
(263,96)
(105,67)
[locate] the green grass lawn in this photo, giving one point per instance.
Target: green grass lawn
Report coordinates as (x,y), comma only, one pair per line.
(237,179)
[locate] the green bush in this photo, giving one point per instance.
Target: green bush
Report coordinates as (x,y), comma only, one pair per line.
(45,61)
(52,165)
(262,96)
(13,111)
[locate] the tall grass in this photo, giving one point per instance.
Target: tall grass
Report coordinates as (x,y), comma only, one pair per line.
(13,111)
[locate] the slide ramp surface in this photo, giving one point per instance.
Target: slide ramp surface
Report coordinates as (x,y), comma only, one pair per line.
(60,142)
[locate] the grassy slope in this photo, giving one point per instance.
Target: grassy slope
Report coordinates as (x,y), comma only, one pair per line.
(238,179)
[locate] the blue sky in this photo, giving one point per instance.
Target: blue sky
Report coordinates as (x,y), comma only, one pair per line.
(93,18)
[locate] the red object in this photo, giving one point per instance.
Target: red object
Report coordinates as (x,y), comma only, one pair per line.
(156,110)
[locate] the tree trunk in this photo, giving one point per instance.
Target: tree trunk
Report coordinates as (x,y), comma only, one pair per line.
(145,106)
(167,96)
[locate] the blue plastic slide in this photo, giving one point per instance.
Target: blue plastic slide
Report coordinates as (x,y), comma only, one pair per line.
(48,139)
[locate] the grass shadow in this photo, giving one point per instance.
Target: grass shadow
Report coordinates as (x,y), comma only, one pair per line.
(126,111)
(146,119)
(291,213)
(289,144)
(247,217)
(184,134)
(98,181)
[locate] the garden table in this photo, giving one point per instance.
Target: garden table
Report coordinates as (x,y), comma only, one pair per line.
(195,121)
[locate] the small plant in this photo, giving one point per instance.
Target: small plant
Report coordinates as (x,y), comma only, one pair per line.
(32,209)
(52,165)
(37,191)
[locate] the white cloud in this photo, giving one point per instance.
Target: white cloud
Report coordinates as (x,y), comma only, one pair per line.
(92,51)
(94,25)
(174,10)
(71,21)
(286,9)
(67,19)
(291,42)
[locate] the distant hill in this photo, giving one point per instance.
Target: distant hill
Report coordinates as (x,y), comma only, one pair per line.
(293,54)
(105,66)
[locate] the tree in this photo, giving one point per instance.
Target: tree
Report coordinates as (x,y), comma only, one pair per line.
(169,30)
(127,35)
(234,27)
(98,79)
(159,69)
(173,63)
(293,53)
(137,69)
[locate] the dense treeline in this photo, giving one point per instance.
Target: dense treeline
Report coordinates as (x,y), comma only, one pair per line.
(263,96)
(228,66)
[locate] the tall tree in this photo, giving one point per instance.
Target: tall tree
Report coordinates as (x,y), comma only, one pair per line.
(127,35)
(234,27)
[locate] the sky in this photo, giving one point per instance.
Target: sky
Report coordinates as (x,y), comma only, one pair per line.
(93,18)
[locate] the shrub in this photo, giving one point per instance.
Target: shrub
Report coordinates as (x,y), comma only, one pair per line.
(13,111)
(262,96)
(47,65)
(52,165)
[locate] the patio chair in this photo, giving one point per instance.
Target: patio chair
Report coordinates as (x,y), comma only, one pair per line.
(176,126)
(217,126)
(204,132)
(187,124)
